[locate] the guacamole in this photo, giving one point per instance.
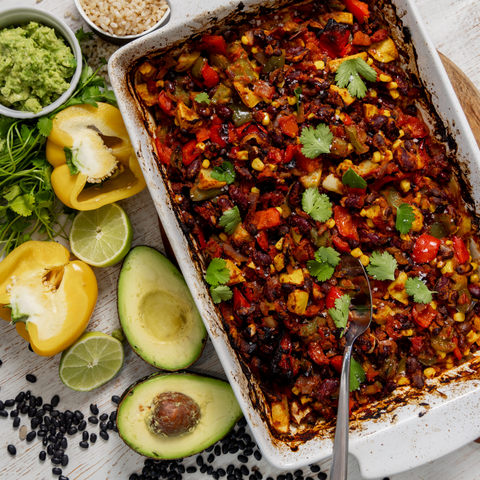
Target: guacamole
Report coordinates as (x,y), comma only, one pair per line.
(35,66)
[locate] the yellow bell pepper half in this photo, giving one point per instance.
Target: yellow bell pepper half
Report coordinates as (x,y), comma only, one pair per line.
(50,298)
(102,167)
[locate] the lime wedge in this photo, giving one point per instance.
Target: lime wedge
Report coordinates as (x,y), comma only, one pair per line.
(101,237)
(94,359)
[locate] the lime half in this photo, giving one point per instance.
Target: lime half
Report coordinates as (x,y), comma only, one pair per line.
(101,237)
(94,359)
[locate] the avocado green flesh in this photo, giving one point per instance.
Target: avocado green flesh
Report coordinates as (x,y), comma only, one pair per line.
(157,311)
(219,413)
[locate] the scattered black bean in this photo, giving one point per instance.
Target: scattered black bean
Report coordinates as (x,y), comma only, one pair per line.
(242,459)
(218,450)
(50,450)
(247,438)
(233,450)
(44,441)
(55,400)
(40,412)
(113,416)
(215,475)
(20,397)
(4,413)
(281,477)
(42,433)
(133,476)
(32,401)
(52,430)
(56,471)
(308,478)
(248,452)
(94,409)
(72,431)
(54,413)
(47,407)
(116,399)
(62,477)
(297,473)
(104,417)
(314,468)
(64,460)
(221,472)
(209,449)
(10,402)
(85,436)
(244,470)
(322,476)
(93,438)
(103,426)
(209,470)
(64,443)
(58,453)
(251,445)
(199,460)
(257,454)
(16,422)
(181,469)
(12,450)
(31,378)
(203,468)
(225,448)
(83,444)
(2,405)
(189,470)
(32,412)
(82,425)
(104,435)
(109,425)
(211,458)
(42,455)
(231,477)
(238,473)
(79,414)
(39,402)
(31,436)
(258,475)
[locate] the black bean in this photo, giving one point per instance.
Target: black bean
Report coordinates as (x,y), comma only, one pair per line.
(225,448)
(50,450)
(104,417)
(199,460)
(242,459)
(289,476)
(308,478)
(322,476)
(25,410)
(62,419)
(21,405)
(84,444)
(258,474)
(211,458)
(116,399)
(252,477)
(247,438)
(209,470)
(257,454)
(39,402)
(20,397)
(55,400)
(74,421)
(32,401)
(240,432)
(251,445)
(109,425)
(297,473)
(133,476)
(52,430)
(64,443)
(203,468)
(52,439)
(94,409)
(64,460)
(72,431)
(215,475)
(58,453)
(209,449)
(42,455)
(104,435)
(2,405)
(82,425)
(191,469)
(40,413)
(10,402)
(47,407)
(315,468)
(31,378)
(54,413)
(56,471)
(244,470)
(281,477)
(238,473)
(3,413)
(231,477)
(16,422)
(32,412)
(79,414)
(181,469)
(85,436)
(62,477)
(42,433)
(230,469)
(113,416)
(221,472)
(31,436)
(103,426)
(12,450)
(218,450)
(248,452)
(93,437)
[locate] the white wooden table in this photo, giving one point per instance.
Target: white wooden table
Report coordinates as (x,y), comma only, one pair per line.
(454,26)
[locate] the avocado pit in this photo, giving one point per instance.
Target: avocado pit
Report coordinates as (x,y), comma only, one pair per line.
(172,414)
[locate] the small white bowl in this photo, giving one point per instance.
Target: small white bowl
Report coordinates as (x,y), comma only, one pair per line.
(24,15)
(117,39)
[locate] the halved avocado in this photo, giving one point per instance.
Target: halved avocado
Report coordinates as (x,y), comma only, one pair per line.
(157,311)
(174,415)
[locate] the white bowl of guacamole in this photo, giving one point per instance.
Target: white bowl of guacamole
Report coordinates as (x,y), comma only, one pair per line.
(40,62)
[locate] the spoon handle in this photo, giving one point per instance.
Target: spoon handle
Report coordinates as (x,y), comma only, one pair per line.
(340,445)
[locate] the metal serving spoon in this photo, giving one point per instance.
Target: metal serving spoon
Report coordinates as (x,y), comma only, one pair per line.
(360,318)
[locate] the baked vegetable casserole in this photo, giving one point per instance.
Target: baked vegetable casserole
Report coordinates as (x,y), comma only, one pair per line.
(288,141)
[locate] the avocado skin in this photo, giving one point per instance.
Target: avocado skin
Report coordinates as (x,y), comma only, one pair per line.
(202,382)
(179,353)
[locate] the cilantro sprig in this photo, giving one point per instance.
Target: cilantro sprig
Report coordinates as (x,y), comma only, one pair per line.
(382,266)
(339,314)
(418,290)
(230,220)
(217,275)
(405,218)
(316,140)
(203,98)
(317,205)
(224,173)
(323,267)
(348,75)
(352,179)
(357,375)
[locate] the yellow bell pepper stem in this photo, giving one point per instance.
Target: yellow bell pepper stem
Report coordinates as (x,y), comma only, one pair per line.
(105,168)
(50,298)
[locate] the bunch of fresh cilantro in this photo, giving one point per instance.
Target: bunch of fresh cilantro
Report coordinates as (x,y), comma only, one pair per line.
(28,204)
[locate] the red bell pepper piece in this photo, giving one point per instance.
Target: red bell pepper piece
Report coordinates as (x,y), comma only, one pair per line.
(461,250)
(215,136)
(289,153)
(336,362)
(164,152)
(239,301)
(344,222)
(423,315)
(425,248)
(201,237)
(202,134)
(241,130)
(262,240)
(349,50)
(359,9)
(340,245)
(215,44)
(190,152)
(210,76)
(269,218)
(288,125)
(332,295)
(165,103)
(417,345)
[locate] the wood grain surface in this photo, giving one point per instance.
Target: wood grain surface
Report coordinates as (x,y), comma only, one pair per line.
(454,26)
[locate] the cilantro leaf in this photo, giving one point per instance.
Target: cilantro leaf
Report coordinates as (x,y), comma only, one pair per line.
(224,173)
(405,218)
(357,375)
(328,255)
(418,290)
(316,140)
(12,192)
(220,293)
(45,126)
(352,179)
(71,166)
(298,93)
(382,266)
(203,98)
(230,220)
(348,75)
(339,314)
(317,205)
(81,34)
(322,271)
(5,125)
(217,272)
(23,204)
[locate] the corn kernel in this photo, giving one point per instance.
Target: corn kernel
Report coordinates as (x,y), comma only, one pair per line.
(440,354)
(449,365)
(429,372)
(305,399)
(396,144)
(388,155)
(330,223)
(459,317)
(377,157)
(433,304)
(281,84)
(275,104)
(448,268)
(373,93)
(319,64)
(251,265)
(405,238)
(474,278)
(295,390)
(266,119)
(472,336)
(279,210)
(405,185)
(206,163)
(200,146)
(401,133)
(279,244)
(356,252)
(364,260)
(370,60)
(292,100)
(370,223)
(387,113)
(179,198)
(394,94)
(385,78)
(254,50)
(310,116)
(407,333)
(474,265)
(298,141)
(255,190)
(160,83)
(272,269)
(258,165)
(245,40)
(350,148)
(176,122)
(392,85)
(403,381)
(242,155)
(279,262)
(432,208)
(223,237)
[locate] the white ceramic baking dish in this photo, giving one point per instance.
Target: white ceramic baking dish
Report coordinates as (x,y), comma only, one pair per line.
(405,432)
